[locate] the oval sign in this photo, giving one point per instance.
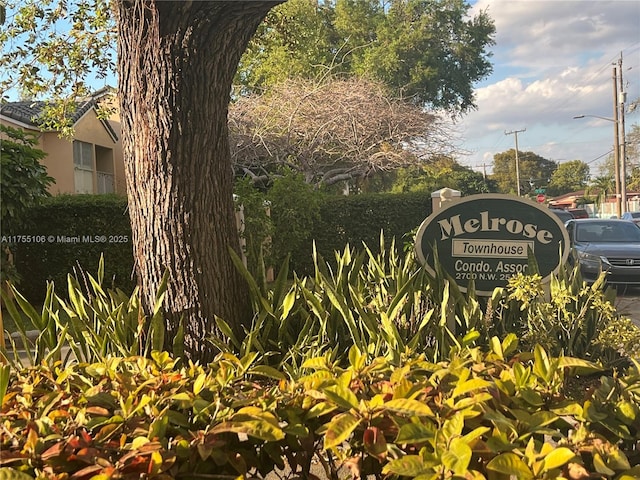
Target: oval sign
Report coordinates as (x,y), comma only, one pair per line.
(486,238)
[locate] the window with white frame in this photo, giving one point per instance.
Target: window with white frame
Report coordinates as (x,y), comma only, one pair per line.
(83,166)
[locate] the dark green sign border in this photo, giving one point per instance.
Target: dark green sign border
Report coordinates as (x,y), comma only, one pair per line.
(486,238)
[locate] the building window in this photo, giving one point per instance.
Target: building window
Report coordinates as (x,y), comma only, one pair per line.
(83,166)
(93,167)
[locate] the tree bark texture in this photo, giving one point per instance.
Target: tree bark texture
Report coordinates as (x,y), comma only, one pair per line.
(176,62)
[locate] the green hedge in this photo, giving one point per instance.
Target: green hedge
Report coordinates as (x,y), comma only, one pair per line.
(71,231)
(358,219)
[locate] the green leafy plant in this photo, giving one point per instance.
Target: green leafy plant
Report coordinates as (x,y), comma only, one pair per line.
(567,316)
(91,324)
(23,178)
(618,341)
(370,365)
(126,417)
(295,209)
(383,303)
(23,183)
(474,415)
(257,228)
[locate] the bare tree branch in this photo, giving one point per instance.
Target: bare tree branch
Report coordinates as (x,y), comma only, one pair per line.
(350,126)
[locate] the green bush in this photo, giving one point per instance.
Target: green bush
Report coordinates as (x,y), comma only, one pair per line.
(70,233)
(358,219)
(386,303)
(257,227)
(303,220)
(477,415)
(137,418)
(383,303)
(23,184)
(279,221)
(566,316)
(295,210)
(88,320)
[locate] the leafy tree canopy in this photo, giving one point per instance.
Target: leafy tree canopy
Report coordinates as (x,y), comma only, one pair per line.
(600,188)
(53,49)
(569,177)
(633,181)
(426,50)
(444,172)
(632,143)
(535,171)
(633,159)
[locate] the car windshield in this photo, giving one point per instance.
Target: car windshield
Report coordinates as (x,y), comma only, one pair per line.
(616,231)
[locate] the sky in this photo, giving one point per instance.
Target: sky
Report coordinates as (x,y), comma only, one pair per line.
(553,60)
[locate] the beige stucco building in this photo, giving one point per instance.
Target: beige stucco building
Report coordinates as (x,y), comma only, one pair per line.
(91,162)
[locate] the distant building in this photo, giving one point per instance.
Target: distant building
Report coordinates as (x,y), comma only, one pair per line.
(597,206)
(568,200)
(91,162)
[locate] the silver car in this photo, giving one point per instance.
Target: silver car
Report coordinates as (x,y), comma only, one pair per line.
(633,216)
(606,245)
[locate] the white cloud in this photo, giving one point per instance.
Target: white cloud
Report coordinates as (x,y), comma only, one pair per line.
(552,61)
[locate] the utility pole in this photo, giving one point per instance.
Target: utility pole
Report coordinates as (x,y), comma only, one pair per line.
(616,144)
(515,134)
(484,170)
(622,97)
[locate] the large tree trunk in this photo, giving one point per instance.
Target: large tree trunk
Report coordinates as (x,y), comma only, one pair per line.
(176,62)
